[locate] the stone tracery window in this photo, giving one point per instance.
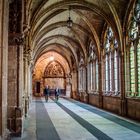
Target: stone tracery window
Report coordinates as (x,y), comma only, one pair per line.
(132,69)
(133,55)
(116,71)
(133,89)
(82,75)
(137,12)
(92,70)
(111,65)
(97,76)
(133,31)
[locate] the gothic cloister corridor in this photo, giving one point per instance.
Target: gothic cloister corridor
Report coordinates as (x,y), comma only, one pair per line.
(68,119)
(88,51)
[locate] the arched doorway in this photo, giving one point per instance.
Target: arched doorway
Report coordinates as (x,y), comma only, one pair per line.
(51,69)
(54,76)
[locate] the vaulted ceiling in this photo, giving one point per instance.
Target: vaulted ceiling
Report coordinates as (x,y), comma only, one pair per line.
(47,23)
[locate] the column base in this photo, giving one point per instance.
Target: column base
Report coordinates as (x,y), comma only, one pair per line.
(100,100)
(15,123)
(123,107)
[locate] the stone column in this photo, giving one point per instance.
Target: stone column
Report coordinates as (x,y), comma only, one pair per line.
(27,80)
(15,84)
(25,83)
(74,84)
(100,84)
(21,77)
(86,83)
(30,83)
(28,94)
(15,60)
(122,72)
(68,85)
(3,66)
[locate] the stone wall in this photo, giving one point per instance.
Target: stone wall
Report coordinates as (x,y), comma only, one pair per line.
(94,99)
(112,104)
(12,85)
(133,108)
(83,97)
(74,95)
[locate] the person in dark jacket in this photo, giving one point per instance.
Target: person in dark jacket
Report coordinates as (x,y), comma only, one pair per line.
(57,93)
(46,92)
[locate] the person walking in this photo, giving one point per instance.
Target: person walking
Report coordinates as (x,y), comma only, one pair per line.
(57,93)
(46,92)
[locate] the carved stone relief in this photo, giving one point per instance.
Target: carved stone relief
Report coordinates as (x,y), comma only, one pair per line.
(54,69)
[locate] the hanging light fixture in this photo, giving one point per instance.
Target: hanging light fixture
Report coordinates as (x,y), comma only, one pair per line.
(69,21)
(51,57)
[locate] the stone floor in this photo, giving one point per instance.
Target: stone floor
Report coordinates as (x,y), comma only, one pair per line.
(67,119)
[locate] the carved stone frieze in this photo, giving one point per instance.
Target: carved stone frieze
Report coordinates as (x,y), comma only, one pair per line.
(54,69)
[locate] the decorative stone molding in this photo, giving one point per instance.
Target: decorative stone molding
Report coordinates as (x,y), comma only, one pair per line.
(27,56)
(91,52)
(15,39)
(137,12)
(81,63)
(54,69)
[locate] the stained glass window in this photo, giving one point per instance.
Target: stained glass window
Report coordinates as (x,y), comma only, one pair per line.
(133,76)
(97,75)
(116,71)
(93,69)
(132,69)
(110,72)
(94,74)
(106,73)
(111,64)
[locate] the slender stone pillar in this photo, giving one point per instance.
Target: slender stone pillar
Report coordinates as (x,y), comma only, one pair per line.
(3,66)
(74,84)
(30,83)
(68,85)
(15,63)
(25,84)
(123,100)
(100,84)
(86,83)
(27,80)
(29,91)
(15,84)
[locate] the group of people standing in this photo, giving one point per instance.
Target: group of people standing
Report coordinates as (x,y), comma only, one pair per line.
(47,93)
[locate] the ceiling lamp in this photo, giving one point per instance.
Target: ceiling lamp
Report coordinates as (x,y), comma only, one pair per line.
(51,58)
(69,21)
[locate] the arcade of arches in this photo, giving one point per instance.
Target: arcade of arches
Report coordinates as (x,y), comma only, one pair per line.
(89,48)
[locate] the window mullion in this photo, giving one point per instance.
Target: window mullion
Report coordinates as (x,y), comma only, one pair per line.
(108,72)
(136,68)
(112,72)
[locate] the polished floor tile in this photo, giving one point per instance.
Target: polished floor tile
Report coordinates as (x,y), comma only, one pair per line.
(67,119)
